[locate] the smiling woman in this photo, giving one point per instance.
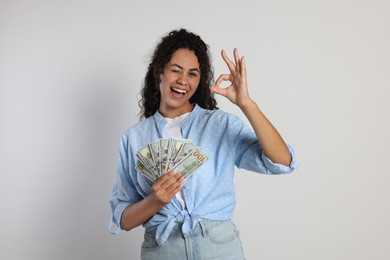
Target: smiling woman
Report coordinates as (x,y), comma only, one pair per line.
(198,65)
(190,218)
(178,83)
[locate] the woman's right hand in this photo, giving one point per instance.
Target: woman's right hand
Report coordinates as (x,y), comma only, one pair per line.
(163,191)
(166,187)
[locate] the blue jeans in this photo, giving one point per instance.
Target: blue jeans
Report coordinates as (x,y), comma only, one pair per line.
(209,240)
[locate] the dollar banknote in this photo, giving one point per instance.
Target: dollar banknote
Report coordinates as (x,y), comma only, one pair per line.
(190,163)
(164,155)
(163,152)
(145,156)
(144,170)
(154,152)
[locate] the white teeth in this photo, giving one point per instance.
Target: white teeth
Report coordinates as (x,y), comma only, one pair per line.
(179,90)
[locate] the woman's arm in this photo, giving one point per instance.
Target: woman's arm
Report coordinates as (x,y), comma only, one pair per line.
(270,140)
(163,191)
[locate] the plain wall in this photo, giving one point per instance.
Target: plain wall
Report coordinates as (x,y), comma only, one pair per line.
(70,74)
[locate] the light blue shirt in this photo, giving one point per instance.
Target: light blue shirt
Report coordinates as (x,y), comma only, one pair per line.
(209,193)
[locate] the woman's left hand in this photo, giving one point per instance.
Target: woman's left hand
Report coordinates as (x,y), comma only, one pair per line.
(237,92)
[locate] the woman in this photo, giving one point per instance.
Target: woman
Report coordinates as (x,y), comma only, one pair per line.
(191,219)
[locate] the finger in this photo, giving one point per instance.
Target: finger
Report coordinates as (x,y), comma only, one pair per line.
(162,181)
(165,177)
(221,78)
(174,188)
(229,63)
(173,193)
(219,91)
(170,190)
(172,180)
(243,68)
(237,59)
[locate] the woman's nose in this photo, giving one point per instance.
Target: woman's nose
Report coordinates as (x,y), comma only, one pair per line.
(182,79)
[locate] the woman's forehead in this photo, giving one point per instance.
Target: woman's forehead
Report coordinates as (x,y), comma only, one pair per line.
(184,58)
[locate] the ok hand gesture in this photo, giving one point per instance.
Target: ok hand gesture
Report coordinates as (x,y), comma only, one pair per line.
(237,92)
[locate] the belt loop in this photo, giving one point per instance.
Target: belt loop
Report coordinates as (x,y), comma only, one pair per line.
(203,228)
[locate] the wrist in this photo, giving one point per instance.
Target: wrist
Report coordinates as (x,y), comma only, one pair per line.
(155,202)
(247,104)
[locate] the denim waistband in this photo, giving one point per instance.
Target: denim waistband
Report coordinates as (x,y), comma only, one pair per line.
(201,228)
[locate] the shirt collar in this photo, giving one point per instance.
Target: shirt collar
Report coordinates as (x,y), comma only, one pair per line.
(185,124)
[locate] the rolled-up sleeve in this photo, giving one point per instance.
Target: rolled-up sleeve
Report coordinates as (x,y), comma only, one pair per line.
(250,155)
(124,192)
(276,168)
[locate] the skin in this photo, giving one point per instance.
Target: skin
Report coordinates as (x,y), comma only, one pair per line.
(182,72)
(270,140)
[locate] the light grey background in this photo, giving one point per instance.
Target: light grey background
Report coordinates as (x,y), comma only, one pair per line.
(70,73)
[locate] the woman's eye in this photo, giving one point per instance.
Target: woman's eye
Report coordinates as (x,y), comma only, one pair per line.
(193,74)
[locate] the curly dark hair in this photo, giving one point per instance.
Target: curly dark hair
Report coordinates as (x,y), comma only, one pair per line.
(177,39)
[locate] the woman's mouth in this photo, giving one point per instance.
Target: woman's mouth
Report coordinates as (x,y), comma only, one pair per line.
(177,91)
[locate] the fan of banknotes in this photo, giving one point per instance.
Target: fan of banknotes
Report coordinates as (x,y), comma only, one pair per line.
(164,155)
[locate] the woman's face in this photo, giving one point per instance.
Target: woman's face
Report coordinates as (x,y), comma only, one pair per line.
(178,83)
